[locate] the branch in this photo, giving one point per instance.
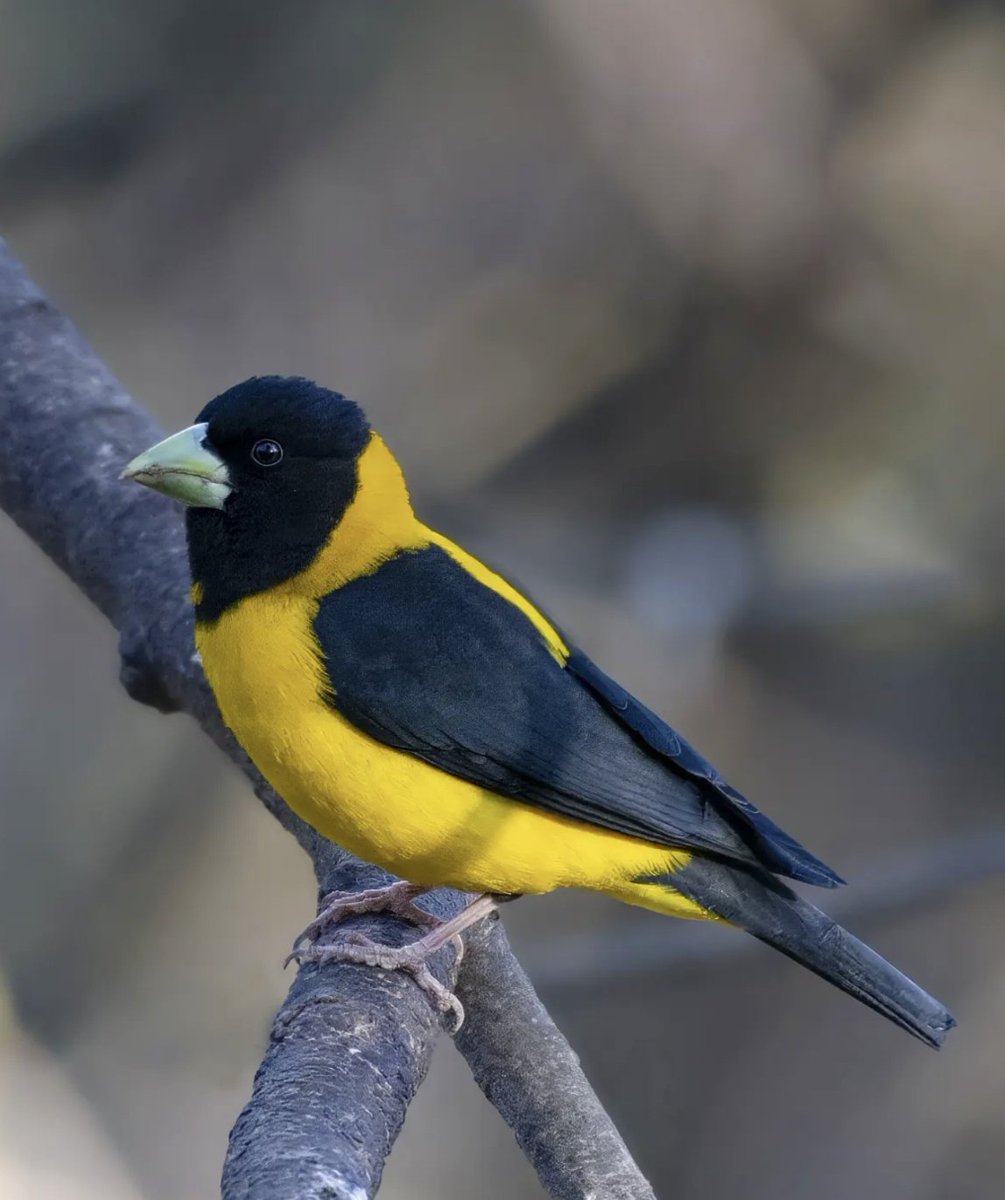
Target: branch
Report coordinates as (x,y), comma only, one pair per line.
(350,1045)
(529,1072)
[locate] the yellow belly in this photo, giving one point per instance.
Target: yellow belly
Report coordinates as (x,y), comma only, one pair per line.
(262,661)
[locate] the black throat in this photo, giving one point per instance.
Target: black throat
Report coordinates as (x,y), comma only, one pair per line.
(265,535)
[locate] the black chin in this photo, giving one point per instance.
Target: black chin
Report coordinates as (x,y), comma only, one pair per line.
(267,532)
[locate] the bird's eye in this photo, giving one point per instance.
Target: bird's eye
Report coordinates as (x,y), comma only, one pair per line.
(266,452)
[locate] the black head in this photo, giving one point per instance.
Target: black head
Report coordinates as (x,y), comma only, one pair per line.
(290,449)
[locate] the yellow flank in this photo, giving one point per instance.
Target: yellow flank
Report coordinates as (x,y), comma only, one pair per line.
(264,664)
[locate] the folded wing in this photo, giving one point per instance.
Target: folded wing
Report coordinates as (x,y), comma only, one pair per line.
(423,657)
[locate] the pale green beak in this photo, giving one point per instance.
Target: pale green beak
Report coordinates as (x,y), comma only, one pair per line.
(184,468)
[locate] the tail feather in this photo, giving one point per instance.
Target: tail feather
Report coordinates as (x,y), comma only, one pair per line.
(759,903)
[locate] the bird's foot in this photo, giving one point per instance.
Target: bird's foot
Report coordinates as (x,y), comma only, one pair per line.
(412,958)
(398,899)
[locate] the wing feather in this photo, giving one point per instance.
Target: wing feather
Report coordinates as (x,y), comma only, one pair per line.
(423,657)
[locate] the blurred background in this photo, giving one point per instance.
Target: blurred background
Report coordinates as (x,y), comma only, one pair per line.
(687,312)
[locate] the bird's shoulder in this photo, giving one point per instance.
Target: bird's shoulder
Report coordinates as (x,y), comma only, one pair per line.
(439,603)
(474,569)
(436,622)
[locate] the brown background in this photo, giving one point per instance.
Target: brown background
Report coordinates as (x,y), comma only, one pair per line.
(688,314)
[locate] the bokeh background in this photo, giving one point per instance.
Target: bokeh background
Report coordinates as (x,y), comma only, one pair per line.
(687,312)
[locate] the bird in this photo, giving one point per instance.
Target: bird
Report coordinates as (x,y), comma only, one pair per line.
(416,708)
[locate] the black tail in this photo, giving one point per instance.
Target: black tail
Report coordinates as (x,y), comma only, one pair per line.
(762,905)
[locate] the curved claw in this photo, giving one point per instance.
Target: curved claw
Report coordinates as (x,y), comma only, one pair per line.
(411,958)
(397,898)
(444,999)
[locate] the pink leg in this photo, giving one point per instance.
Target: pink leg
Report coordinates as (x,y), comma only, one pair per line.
(397,898)
(413,957)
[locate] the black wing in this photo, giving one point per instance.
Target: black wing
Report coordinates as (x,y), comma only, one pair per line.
(775,845)
(423,657)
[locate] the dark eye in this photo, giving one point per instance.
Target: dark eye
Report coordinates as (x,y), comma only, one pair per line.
(266,452)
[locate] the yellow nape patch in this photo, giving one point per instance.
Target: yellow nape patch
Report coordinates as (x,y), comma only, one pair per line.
(196,593)
(379,524)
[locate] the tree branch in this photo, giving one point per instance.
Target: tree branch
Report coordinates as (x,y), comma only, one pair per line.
(350,1044)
